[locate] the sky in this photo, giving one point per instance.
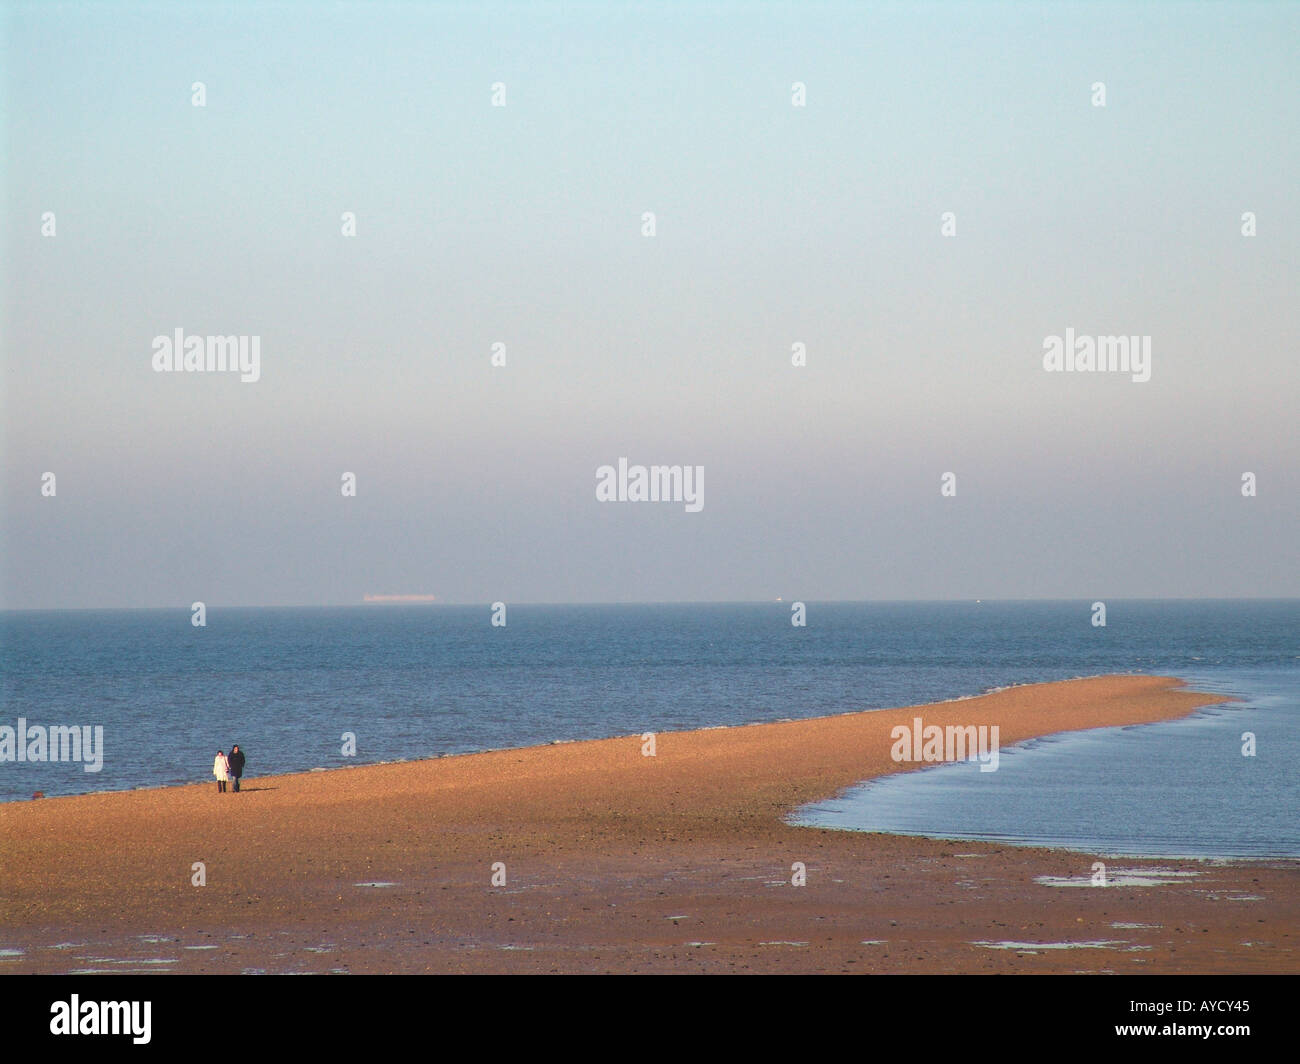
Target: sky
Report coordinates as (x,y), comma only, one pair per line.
(523,225)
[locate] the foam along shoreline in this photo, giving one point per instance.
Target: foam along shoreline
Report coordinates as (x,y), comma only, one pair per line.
(588,835)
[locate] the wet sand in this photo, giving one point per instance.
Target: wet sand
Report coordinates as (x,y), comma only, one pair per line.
(619,862)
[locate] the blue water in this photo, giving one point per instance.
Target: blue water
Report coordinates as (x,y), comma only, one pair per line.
(422,681)
(1172,789)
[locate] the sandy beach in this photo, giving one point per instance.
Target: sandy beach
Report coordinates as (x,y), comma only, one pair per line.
(619,862)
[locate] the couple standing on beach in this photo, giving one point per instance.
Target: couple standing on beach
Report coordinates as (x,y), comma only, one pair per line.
(228,768)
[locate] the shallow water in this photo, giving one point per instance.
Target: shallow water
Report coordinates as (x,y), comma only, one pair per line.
(1178,788)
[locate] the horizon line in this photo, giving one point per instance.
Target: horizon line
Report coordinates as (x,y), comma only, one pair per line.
(379,606)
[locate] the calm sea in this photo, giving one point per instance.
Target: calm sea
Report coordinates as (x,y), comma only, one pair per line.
(423,681)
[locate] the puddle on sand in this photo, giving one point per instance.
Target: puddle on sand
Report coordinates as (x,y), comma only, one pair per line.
(1033,947)
(377,883)
(201,947)
(9,954)
(1121,877)
(129,960)
(780,943)
(1135,927)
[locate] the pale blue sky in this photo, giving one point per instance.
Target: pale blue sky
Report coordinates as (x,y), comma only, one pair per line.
(522,224)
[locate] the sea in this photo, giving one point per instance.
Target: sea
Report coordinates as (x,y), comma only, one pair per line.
(323,687)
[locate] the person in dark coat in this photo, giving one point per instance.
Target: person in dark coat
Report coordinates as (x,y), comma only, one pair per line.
(236,765)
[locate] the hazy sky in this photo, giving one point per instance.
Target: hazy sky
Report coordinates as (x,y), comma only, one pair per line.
(522,224)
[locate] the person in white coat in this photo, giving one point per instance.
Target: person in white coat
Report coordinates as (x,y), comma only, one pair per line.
(221,769)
